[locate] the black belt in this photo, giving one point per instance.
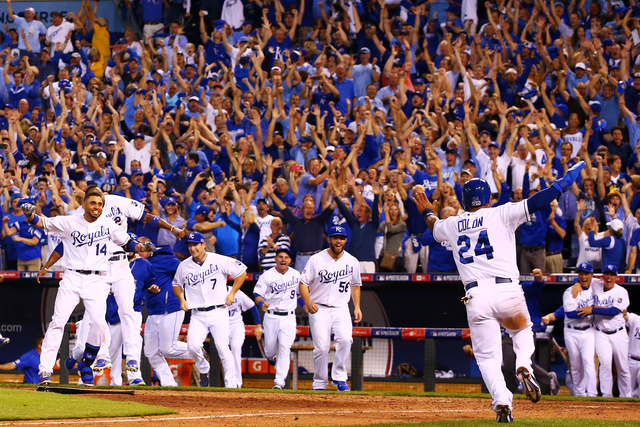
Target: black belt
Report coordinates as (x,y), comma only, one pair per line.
(498,280)
(610,332)
(325,305)
(211,307)
(530,248)
(90,272)
(281,313)
(635,358)
(554,253)
(579,328)
(118,257)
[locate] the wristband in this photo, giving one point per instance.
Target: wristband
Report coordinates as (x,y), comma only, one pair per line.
(45,268)
(34,220)
(260,304)
(155,220)
(427,213)
(131,246)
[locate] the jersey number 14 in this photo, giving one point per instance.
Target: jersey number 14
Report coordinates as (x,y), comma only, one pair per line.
(101,249)
(483,247)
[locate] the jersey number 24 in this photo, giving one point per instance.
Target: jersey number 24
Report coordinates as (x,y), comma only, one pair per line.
(483,247)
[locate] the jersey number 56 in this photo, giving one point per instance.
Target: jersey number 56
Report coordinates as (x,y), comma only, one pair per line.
(483,247)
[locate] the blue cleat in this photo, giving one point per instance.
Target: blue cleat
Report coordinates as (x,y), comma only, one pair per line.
(138,381)
(86,374)
(341,385)
(564,183)
(101,365)
(70,363)
(204,380)
(132,366)
(45,378)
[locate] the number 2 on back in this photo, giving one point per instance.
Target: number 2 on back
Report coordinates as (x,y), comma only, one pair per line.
(483,247)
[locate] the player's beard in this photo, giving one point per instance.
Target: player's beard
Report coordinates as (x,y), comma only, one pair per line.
(337,250)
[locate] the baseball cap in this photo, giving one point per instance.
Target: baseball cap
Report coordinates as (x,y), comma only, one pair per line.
(171,200)
(616,224)
(581,66)
(337,231)
(283,249)
(48,160)
(365,50)
(511,71)
(397,150)
(353,127)
(494,144)
(136,171)
(76,55)
(121,41)
(473,162)
(194,98)
(586,267)
(138,135)
(243,39)
(485,132)
(195,237)
(610,269)
(467,171)
(262,199)
(596,106)
(614,192)
(452,151)
(202,210)
(16,196)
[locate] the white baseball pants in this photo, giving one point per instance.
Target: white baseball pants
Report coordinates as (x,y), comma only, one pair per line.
(582,351)
(124,287)
(217,322)
(634,368)
(115,354)
(323,323)
(236,339)
(279,335)
(610,348)
(161,333)
(492,305)
(93,291)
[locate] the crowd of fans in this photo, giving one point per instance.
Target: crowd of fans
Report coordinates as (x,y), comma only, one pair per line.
(264,123)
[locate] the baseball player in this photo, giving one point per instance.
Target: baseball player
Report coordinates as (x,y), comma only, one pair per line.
(611,339)
(120,210)
(241,303)
(328,281)
(200,284)
(276,293)
(85,238)
(165,319)
(633,323)
(484,243)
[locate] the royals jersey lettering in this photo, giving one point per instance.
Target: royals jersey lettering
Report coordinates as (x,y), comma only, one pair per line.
(584,299)
(280,290)
(617,297)
(330,280)
(119,209)
(481,241)
(241,303)
(205,284)
(633,323)
(85,243)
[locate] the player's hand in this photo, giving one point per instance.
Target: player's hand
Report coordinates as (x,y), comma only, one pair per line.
(28,208)
(537,273)
(265,307)
(575,291)
(258,332)
(311,307)
(184,306)
(146,247)
(230,298)
(179,232)
(468,350)
(357,315)
(546,319)
(41,273)
(154,289)
(422,202)
(585,311)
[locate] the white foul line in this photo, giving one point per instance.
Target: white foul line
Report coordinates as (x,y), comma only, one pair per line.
(204,417)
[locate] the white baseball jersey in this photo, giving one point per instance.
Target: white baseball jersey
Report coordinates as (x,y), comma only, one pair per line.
(584,299)
(205,284)
(240,304)
(474,235)
(278,289)
(265,225)
(85,243)
(119,209)
(587,253)
(634,334)
(616,297)
(330,280)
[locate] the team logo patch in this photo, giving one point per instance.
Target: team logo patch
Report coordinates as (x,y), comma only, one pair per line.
(619,300)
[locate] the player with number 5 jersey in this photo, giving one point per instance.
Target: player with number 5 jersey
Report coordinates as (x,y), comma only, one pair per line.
(484,239)
(329,280)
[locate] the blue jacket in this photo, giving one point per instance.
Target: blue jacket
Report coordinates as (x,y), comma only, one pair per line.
(613,250)
(164,264)
(247,244)
(143,277)
(531,293)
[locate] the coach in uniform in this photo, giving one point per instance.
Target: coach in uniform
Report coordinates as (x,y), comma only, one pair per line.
(277,294)
(201,286)
(328,281)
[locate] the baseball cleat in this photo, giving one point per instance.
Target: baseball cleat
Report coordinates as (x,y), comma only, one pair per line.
(138,381)
(554,384)
(70,363)
(101,365)
(132,366)
(531,387)
(277,387)
(4,341)
(45,378)
(86,374)
(319,389)
(272,360)
(503,414)
(204,380)
(341,385)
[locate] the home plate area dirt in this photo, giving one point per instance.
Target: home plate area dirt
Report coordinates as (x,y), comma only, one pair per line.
(282,409)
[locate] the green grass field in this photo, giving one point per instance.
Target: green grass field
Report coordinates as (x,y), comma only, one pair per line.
(16,404)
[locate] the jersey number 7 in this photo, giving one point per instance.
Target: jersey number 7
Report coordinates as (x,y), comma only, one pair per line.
(483,247)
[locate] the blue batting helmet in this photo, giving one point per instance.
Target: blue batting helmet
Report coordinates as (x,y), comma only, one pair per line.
(475,193)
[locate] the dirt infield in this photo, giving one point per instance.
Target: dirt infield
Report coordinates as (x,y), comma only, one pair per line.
(282,409)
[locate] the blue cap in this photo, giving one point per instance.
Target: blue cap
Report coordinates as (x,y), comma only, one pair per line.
(247,23)
(419,81)
(243,39)
(452,151)
(15,63)
(586,267)
(610,269)
(596,106)
(133,236)
(138,135)
(397,150)
(16,196)
(607,42)
(202,210)
(337,231)
(122,41)
(533,134)
(136,171)
(365,50)
(89,125)
(494,144)
(283,249)
(195,237)
(220,23)
(48,160)
(171,200)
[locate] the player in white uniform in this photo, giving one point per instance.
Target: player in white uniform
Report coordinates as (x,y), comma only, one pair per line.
(241,303)
(120,210)
(484,239)
(633,323)
(277,295)
(328,281)
(85,238)
(579,334)
(200,284)
(612,341)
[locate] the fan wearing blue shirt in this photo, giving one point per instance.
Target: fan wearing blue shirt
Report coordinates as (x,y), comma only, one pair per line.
(28,363)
